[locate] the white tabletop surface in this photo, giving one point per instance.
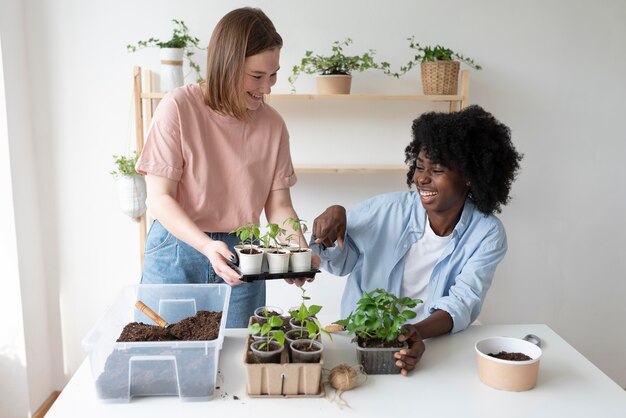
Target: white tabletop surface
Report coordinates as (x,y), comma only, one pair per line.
(444,384)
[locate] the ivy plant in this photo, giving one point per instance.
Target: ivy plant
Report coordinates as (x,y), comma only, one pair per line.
(379,315)
(335,64)
(180,39)
(125,165)
(429,54)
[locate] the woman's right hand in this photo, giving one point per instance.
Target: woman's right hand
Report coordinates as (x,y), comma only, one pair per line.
(217,253)
(330,226)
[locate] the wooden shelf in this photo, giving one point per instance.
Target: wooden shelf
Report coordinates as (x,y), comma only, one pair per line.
(431,98)
(346,169)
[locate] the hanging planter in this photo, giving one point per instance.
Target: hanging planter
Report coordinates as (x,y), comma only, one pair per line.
(131,186)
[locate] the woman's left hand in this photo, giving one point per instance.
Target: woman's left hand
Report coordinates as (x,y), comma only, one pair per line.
(407,358)
(315,264)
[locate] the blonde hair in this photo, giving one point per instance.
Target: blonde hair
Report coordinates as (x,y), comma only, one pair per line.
(239,34)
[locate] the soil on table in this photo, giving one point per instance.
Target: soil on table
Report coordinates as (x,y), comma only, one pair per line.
(503,355)
(204,326)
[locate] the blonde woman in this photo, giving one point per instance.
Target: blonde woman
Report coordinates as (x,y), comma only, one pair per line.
(215,157)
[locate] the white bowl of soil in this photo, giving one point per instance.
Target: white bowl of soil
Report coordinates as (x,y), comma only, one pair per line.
(507,363)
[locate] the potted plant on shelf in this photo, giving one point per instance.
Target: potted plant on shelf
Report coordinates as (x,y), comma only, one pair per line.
(269,347)
(277,258)
(250,258)
(131,186)
(439,67)
(171,53)
(334,71)
(300,259)
(376,322)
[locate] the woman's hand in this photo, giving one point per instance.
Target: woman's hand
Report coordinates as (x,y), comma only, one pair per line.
(407,358)
(218,252)
(330,226)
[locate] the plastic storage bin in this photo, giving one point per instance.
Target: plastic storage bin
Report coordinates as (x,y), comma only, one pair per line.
(187,369)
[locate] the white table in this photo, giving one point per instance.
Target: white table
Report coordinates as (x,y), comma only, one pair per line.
(445,384)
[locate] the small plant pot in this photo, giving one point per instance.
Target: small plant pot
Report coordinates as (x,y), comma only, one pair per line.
(277,261)
(266,354)
(132,195)
(259,313)
(300,260)
(250,260)
(378,360)
(507,375)
(295,324)
(293,335)
(306,351)
(333,84)
(171,68)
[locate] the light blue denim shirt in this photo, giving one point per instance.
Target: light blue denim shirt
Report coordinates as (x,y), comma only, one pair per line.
(381,230)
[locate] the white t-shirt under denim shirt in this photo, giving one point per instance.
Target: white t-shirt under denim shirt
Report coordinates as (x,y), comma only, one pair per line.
(419,263)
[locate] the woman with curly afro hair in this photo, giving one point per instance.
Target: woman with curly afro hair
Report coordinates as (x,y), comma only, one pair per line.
(440,243)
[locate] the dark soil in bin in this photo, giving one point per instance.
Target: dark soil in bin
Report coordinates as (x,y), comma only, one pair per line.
(504,355)
(195,369)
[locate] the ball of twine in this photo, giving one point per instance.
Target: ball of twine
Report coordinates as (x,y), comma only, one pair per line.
(343,377)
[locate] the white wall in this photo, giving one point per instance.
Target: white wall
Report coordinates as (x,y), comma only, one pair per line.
(553,71)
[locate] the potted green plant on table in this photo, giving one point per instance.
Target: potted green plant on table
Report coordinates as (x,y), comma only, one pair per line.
(269,347)
(300,259)
(304,345)
(250,258)
(277,257)
(171,52)
(131,186)
(439,67)
(335,70)
(376,323)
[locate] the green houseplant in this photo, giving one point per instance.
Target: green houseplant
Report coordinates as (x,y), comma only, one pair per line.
(376,323)
(300,259)
(172,51)
(250,258)
(439,67)
(267,349)
(131,186)
(337,67)
(305,332)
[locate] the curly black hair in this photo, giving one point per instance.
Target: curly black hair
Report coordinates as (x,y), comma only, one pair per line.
(473,142)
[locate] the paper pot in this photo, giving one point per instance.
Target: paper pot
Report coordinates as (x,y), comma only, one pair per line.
(508,375)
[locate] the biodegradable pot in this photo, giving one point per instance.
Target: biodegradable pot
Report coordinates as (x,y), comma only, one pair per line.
(250,260)
(333,84)
(378,360)
(306,351)
(265,355)
(300,260)
(508,375)
(277,260)
(171,72)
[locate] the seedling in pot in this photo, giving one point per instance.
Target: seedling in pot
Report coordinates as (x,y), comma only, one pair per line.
(297,225)
(270,330)
(247,234)
(305,316)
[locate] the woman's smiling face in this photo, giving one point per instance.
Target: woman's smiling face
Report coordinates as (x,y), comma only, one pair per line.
(441,189)
(259,76)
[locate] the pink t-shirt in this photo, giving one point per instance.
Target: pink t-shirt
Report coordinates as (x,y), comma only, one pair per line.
(225,168)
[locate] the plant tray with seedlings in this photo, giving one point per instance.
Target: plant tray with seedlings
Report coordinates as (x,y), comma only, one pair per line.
(284,379)
(271,276)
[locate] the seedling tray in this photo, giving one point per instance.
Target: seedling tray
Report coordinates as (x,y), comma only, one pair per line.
(271,276)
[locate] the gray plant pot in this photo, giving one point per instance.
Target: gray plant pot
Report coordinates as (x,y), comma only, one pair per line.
(378,360)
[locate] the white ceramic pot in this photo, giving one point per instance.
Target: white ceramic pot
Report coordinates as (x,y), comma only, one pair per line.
(507,374)
(171,72)
(300,260)
(132,195)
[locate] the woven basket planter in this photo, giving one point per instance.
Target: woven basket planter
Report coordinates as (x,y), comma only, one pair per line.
(440,77)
